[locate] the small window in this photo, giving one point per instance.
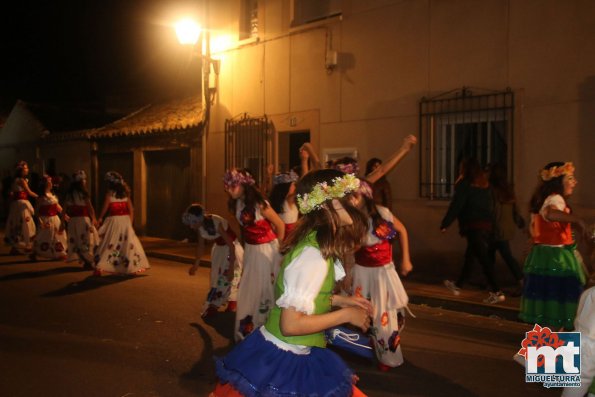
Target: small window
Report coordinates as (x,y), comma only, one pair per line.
(249,19)
(463,126)
(307,11)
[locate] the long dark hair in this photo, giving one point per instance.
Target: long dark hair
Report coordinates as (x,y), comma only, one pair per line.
(499,182)
(117,185)
(335,241)
(252,196)
(278,196)
(371,163)
(77,186)
(546,188)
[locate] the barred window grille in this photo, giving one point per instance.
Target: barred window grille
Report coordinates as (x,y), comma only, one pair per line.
(459,125)
(248,144)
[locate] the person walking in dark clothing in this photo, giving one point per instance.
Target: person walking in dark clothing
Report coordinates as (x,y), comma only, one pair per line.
(473,207)
(506,220)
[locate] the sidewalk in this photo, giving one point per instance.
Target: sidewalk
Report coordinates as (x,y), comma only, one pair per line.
(421,291)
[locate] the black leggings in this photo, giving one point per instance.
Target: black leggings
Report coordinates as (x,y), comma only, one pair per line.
(478,247)
(503,247)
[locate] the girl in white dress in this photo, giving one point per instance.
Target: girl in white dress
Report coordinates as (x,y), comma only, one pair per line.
(83,238)
(375,277)
(120,250)
(51,240)
(20,226)
(261,250)
(226,258)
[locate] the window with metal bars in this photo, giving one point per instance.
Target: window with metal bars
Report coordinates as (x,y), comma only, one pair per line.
(248,144)
(458,125)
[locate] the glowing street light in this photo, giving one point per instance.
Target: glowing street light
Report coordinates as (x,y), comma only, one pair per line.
(187,31)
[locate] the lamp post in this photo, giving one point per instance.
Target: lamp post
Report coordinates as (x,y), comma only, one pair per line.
(190,33)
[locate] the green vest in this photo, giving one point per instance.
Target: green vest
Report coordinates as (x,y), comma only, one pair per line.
(322,303)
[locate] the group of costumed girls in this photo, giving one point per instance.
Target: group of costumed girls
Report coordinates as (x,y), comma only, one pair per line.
(114,248)
(286,354)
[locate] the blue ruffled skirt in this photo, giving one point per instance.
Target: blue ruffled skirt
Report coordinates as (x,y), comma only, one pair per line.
(258,368)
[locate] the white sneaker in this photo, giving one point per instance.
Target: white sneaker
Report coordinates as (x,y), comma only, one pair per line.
(452,287)
(495,297)
(519,359)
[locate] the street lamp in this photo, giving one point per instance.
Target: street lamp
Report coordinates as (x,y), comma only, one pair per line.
(190,33)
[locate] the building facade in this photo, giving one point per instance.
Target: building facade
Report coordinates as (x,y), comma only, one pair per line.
(354,75)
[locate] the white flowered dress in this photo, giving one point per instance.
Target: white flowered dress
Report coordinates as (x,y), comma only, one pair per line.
(375,278)
(83,238)
(261,265)
(20,226)
(120,250)
(221,289)
(51,240)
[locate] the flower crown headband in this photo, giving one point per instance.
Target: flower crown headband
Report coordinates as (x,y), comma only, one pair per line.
(285,177)
(113,178)
(555,172)
(348,168)
(323,192)
(234,178)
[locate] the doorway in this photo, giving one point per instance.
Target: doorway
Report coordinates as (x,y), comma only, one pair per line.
(288,148)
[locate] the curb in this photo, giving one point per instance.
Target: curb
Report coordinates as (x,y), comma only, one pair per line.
(471,307)
(459,305)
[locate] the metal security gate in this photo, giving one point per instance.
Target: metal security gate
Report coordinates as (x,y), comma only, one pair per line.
(168,192)
(248,144)
(458,125)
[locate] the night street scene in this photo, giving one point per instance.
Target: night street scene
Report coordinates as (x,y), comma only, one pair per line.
(340,198)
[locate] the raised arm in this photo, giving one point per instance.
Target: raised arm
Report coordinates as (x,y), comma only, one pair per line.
(313,157)
(385,167)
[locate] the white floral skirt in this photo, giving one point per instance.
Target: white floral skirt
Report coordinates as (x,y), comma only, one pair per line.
(120,250)
(256,295)
(83,239)
(383,287)
(20,226)
(51,240)
(221,289)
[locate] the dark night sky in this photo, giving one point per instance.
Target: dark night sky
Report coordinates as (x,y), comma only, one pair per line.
(94,51)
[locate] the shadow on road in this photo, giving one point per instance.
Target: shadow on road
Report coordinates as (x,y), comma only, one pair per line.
(203,371)
(42,273)
(21,262)
(88,284)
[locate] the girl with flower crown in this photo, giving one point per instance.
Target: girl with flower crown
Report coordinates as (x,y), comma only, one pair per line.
(120,250)
(83,238)
(287,356)
(554,277)
(226,258)
(260,226)
(375,277)
(51,240)
(20,227)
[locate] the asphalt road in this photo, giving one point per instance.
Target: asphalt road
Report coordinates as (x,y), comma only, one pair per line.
(65,333)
